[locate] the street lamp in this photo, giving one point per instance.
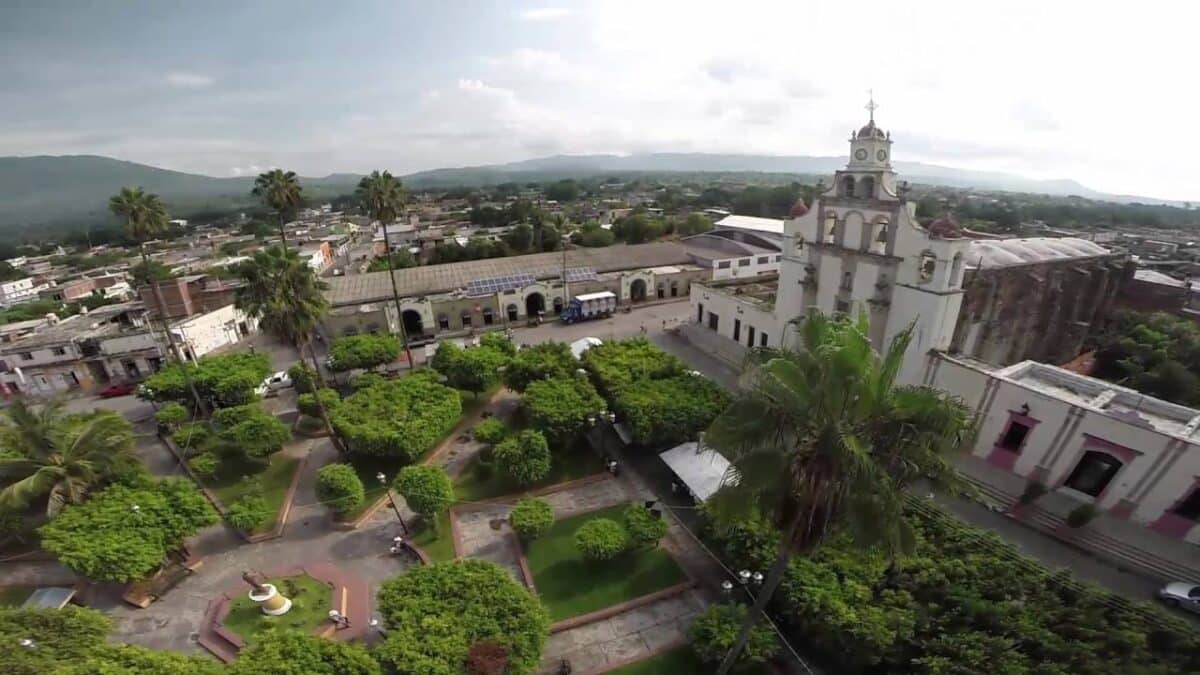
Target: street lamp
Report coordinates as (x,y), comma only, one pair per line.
(744,577)
(758,578)
(383,481)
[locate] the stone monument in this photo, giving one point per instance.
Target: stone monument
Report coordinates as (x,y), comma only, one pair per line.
(266,596)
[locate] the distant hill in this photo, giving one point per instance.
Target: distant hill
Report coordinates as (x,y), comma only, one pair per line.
(74,189)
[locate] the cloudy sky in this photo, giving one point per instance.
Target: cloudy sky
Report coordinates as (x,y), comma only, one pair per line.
(1045,89)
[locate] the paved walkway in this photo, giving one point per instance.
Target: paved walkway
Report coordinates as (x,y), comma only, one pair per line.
(634,635)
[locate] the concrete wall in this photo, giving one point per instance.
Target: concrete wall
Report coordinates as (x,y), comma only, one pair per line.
(746,266)
(207,332)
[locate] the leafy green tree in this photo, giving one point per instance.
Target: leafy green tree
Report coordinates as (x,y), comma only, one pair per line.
(369,350)
(498,342)
(593,236)
(563,191)
(339,488)
(303,378)
(1157,354)
(531,517)
(670,410)
(250,513)
(383,198)
(280,191)
(62,637)
(475,369)
(617,363)
(490,431)
(401,418)
(539,362)
(695,223)
(221,381)
(56,455)
(427,490)
(287,298)
(172,415)
(644,527)
(525,456)
(106,538)
(520,238)
(400,260)
(435,613)
(714,632)
(192,438)
(312,404)
(146,218)
(289,652)
(601,539)
(204,464)
(134,660)
(561,407)
(252,431)
(637,229)
(822,438)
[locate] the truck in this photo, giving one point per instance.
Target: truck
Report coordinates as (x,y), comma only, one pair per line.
(590,306)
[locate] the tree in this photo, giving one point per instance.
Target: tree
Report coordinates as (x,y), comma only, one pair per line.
(311,404)
(601,539)
(56,455)
(369,350)
(714,632)
(563,191)
(108,659)
(399,260)
(106,538)
(303,378)
(146,218)
(286,296)
(539,362)
(249,513)
(561,407)
(220,381)
(290,652)
(531,517)
(695,223)
(434,614)
(637,229)
(171,416)
(427,490)
(525,456)
(339,488)
(643,526)
(382,196)
(251,431)
(475,369)
(593,236)
(279,191)
(62,636)
(822,438)
(669,410)
(490,431)
(401,418)
(520,238)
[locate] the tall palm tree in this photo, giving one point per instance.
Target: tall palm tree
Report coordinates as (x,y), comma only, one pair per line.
(146,218)
(284,293)
(383,199)
(823,439)
(279,190)
(51,453)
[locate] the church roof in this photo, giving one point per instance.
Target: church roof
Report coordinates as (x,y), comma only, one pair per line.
(993,253)
(772,225)
(869,130)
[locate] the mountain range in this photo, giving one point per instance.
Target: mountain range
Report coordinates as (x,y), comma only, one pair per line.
(74,189)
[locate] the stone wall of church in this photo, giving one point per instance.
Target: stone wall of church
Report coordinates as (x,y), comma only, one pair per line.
(1041,312)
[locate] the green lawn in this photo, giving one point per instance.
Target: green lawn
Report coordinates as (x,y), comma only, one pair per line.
(13,596)
(574,463)
(678,661)
(230,483)
(569,585)
(310,608)
(439,548)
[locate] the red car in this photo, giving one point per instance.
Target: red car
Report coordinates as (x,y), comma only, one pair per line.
(115,390)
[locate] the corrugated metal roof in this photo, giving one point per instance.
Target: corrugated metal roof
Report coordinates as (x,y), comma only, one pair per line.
(774,225)
(991,253)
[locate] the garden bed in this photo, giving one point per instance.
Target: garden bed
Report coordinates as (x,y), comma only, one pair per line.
(575,463)
(438,549)
(310,608)
(230,484)
(558,569)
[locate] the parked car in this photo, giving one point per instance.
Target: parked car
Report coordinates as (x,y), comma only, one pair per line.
(1180,594)
(118,389)
(273,383)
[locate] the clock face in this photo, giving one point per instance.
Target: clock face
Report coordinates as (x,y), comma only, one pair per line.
(882,155)
(860,154)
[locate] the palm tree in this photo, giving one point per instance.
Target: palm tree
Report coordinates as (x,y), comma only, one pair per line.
(280,191)
(823,439)
(145,219)
(285,295)
(383,198)
(56,454)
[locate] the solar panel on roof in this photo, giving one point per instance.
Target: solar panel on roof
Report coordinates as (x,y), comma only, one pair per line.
(491,285)
(575,274)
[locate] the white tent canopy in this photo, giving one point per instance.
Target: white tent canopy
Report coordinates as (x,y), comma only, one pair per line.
(701,470)
(581,345)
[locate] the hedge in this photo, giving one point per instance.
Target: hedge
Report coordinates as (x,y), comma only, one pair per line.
(307,403)
(540,362)
(617,363)
(643,526)
(363,351)
(561,406)
(531,517)
(715,631)
(669,411)
(222,381)
(401,418)
(490,431)
(601,539)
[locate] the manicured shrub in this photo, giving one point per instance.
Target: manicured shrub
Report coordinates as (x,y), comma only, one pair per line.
(525,457)
(491,430)
(222,381)
(600,539)
(498,342)
(670,410)
(561,406)
(715,631)
(474,369)
(643,526)
(427,490)
(307,403)
(400,418)
(540,362)
(303,378)
(252,431)
(617,363)
(172,415)
(363,351)
(435,614)
(339,488)
(204,464)
(249,513)
(530,518)
(191,438)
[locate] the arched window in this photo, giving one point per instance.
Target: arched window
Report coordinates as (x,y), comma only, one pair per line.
(956,270)
(928,266)
(1093,473)
(879,243)
(830,228)
(848,186)
(847,281)
(866,187)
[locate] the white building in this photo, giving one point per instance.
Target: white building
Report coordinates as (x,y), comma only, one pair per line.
(19,290)
(203,333)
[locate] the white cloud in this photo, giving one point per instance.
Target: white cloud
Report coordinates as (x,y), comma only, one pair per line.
(545,14)
(188,80)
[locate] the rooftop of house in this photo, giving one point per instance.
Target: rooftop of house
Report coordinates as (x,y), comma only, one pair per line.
(994,253)
(99,323)
(759,291)
(772,225)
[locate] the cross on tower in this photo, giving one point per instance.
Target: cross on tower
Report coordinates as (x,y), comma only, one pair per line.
(871,105)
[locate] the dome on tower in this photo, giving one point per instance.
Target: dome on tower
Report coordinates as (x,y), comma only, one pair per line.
(946,227)
(871,131)
(798,209)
